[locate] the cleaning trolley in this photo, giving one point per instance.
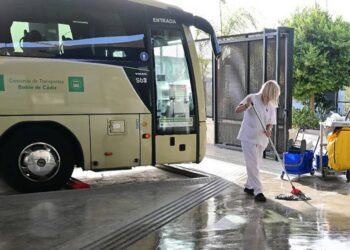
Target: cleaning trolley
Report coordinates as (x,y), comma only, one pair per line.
(336,159)
(298,160)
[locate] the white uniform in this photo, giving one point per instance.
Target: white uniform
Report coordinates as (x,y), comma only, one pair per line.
(253,139)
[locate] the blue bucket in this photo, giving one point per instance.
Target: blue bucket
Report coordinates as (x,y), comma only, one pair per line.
(297,163)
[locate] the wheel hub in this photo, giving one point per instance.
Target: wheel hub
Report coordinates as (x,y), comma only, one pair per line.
(39,162)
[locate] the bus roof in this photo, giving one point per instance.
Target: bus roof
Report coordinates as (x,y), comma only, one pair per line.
(155,3)
(152,3)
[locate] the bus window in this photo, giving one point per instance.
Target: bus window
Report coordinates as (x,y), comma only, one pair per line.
(92,34)
(17,30)
(31,39)
(65,34)
(175,110)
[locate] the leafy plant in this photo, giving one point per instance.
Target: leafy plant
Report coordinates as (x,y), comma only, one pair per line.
(235,21)
(323,107)
(321,54)
(304,118)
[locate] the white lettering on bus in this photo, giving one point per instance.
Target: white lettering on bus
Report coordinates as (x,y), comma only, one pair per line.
(141,80)
(141,74)
(164,20)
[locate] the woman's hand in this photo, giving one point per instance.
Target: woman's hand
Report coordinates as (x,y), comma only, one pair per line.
(268,133)
(268,130)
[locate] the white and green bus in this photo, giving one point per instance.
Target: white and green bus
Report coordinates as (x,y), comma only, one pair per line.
(100,85)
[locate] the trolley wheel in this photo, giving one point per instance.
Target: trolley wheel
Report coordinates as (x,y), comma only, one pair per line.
(37,159)
(347,175)
(282,175)
(312,172)
(324,174)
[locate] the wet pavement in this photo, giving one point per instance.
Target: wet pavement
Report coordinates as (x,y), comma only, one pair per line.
(107,178)
(226,219)
(75,219)
(233,220)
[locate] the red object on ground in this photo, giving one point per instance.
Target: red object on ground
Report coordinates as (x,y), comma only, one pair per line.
(77,184)
(296,191)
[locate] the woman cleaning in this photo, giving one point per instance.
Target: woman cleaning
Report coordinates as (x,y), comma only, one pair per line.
(253,138)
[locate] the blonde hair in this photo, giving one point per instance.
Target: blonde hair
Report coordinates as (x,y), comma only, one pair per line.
(270,90)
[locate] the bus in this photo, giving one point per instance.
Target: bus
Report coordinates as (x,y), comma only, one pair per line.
(100,85)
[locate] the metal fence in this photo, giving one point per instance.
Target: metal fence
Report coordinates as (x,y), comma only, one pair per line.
(247,61)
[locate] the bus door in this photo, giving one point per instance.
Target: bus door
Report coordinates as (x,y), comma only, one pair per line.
(176,118)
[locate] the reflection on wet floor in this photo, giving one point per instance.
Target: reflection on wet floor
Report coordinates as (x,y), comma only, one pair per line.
(230,220)
(233,220)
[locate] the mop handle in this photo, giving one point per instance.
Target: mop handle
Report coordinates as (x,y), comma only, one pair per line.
(272,145)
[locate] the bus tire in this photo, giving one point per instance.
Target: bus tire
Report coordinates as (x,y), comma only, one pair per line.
(37,158)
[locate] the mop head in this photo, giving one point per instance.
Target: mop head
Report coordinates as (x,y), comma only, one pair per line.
(295,195)
(292,197)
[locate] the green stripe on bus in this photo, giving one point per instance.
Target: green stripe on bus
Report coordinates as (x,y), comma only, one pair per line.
(2,84)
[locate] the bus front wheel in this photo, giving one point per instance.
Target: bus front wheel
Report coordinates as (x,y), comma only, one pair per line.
(37,159)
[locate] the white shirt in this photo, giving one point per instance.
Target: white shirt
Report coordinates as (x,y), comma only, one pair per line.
(251,129)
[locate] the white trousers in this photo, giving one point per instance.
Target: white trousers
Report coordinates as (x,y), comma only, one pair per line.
(253,157)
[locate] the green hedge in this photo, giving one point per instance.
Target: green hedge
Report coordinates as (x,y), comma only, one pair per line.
(304,118)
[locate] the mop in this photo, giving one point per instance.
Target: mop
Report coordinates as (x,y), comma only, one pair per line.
(295,194)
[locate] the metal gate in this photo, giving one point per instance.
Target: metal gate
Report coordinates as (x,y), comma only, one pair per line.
(247,61)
